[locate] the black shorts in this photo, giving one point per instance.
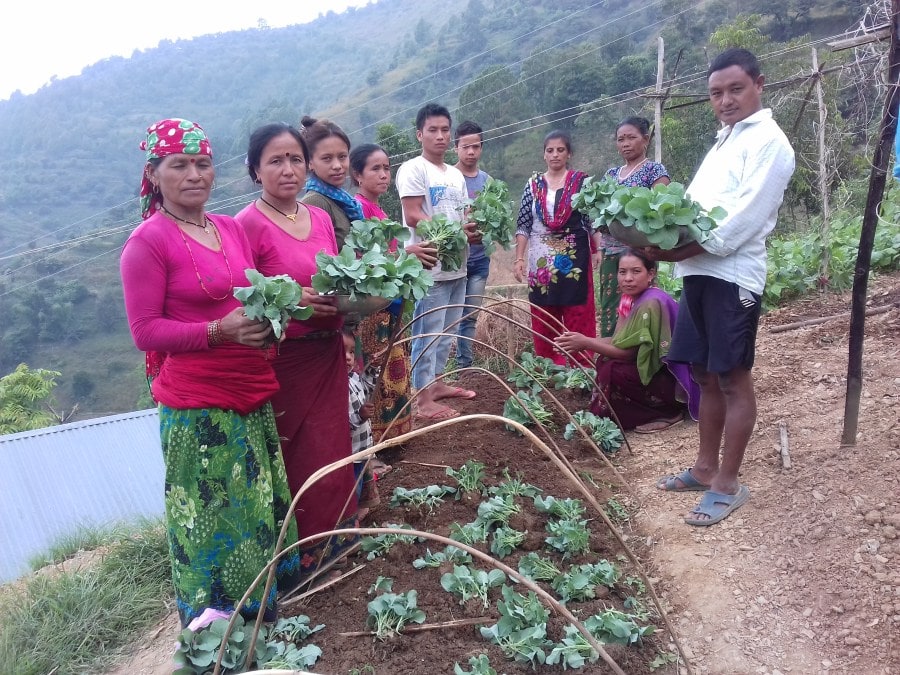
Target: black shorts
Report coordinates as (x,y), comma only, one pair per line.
(716,325)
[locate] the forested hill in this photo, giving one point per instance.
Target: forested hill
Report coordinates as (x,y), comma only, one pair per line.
(70,163)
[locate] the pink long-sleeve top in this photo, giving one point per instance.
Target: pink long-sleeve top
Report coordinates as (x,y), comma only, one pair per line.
(277,252)
(167,308)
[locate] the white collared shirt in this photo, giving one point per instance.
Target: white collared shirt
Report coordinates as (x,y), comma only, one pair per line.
(746,173)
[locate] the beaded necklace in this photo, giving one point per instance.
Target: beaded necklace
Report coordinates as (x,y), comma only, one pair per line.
(290,216)
(224,255)
(204,226)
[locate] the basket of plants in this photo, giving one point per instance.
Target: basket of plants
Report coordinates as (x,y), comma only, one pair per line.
(663,216)
(366,276)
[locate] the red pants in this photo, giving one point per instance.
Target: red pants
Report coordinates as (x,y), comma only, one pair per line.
(576,318)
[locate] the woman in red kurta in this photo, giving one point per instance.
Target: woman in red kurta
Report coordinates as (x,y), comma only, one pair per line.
(311,405)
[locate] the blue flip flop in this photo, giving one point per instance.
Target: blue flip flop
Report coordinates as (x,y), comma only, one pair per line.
(718,506)
(688,482)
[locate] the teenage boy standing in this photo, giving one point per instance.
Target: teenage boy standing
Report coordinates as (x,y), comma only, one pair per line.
(746,173)
(469,140)
(428,186)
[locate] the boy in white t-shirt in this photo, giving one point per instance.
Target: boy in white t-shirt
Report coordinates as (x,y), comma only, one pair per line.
(427,186)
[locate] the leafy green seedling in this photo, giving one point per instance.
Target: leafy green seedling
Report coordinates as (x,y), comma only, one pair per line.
(492,213)
(574,378)
(430,496)
(470,534)
(518,407)
(573,652)
(614,627)
(469,477)
(365,235)
(276,299)
(468,583)
(561,508)
(534,369)
(569,537)
(604,432)
(382,543)
(513,487)
(497,510)
(450,554)
(505,540)
(382,585)
(536,568)
(294,628)
(579,583)
(391,612)
(480,665)
(391,275)
(447,237)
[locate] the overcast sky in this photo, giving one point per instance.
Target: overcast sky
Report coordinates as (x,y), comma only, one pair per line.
(39,40)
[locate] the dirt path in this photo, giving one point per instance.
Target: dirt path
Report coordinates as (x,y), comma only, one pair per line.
(805,578)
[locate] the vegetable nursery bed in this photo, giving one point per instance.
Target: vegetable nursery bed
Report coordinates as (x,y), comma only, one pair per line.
(343,607)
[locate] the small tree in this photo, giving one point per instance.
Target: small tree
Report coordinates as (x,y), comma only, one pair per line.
(25,396)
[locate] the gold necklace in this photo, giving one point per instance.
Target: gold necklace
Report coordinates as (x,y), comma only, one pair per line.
(631,173)
(197,271)
(290,216)
(204,226)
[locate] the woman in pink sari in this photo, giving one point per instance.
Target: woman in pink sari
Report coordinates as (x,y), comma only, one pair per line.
(311,404)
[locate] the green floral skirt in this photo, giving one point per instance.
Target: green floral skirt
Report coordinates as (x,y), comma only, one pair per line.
(226,498)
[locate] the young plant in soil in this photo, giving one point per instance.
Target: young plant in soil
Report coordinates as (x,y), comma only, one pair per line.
(534,369)
(429,497)
(497,510)
(469,477)
(505,540)
(521,632)
(382,543)
(573,652)
(480,665)
(467,583)
(471,534)
(517,408)
(513,487)
(581,581)
(568,536)
(197,652)
(604,432)
(536,568)
(574,378)
(571,509)
(450,554)
(391,612)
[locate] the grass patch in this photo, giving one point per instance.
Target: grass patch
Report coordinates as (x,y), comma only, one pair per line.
(80,622)
(83,539)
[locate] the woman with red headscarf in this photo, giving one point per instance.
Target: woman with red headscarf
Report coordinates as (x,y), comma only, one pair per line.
(226,491)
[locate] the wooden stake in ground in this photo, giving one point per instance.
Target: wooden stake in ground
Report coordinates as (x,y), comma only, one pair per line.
(867,237)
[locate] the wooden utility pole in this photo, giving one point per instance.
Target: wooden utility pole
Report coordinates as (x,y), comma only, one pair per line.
(658,101)
(877,179)
(823,171)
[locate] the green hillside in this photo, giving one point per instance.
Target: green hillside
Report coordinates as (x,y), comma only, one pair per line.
(70,165)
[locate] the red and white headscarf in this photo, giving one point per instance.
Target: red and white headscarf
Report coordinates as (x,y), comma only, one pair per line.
(169,137)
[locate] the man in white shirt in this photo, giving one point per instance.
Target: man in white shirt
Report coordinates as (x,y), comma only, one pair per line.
(746,173)
(428,186)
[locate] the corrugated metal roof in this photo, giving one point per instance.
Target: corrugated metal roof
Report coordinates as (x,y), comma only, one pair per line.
(91,473)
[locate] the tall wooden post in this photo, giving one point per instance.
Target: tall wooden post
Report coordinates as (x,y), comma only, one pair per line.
(867,238)
(825,263)
(657,116)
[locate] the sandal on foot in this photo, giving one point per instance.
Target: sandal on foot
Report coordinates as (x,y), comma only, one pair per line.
(688,483)
(458,392)
(717,506)
(656,426)
(438,415)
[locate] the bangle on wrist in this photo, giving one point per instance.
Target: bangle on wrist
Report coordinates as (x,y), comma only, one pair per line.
(520,259)
(214,333)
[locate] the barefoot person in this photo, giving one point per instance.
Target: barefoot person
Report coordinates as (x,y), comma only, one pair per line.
(427,186)
(647,393)
(746,173)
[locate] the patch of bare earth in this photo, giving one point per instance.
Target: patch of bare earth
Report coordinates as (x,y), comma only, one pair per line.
(804,578)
